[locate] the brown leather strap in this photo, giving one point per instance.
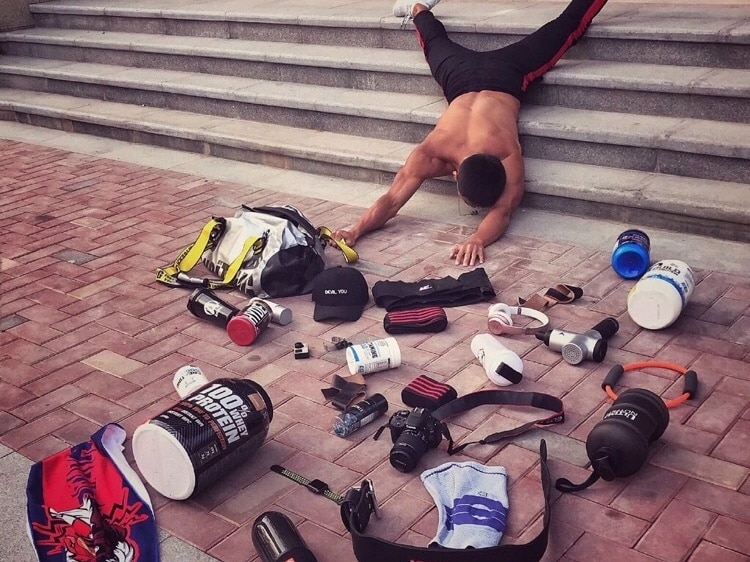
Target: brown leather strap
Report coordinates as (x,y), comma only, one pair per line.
(344,391)
(561,293)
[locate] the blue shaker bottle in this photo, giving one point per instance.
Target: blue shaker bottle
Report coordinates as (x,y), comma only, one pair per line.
(630,257)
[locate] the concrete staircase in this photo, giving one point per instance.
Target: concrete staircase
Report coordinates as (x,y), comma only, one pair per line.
(646,120)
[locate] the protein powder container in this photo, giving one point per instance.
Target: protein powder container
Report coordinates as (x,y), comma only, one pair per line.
(373,356)
(630,256)
(659,297)
(192,444)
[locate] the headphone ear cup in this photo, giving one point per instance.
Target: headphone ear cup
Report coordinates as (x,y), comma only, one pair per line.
(499,318)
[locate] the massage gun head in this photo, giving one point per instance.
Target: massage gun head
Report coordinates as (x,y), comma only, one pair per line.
(576,348)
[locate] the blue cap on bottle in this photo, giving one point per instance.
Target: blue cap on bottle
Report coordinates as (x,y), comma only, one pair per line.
(630,257)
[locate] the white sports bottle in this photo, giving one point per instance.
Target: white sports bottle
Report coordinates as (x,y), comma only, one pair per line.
(503,366)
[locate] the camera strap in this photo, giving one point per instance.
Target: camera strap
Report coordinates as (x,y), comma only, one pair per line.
(359,504)
(503,397)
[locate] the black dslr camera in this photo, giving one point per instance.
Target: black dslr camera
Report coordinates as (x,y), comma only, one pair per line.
(413,433)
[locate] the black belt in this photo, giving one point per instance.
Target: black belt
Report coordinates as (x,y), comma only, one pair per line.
(359,504)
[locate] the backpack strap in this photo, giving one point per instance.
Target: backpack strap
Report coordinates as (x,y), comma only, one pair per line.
(350,254)
(175,274)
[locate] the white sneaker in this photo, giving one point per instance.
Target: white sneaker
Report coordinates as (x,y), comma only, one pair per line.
(403,8)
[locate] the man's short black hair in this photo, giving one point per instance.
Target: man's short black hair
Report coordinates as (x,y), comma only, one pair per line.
(481,179)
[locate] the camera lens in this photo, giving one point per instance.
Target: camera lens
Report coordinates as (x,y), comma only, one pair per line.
(407,451)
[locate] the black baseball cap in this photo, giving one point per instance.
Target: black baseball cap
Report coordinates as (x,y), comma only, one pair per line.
(339,293)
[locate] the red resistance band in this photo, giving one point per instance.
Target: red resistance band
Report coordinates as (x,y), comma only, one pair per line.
(688,390)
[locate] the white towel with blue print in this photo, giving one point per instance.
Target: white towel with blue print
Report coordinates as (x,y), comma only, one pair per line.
(472,503)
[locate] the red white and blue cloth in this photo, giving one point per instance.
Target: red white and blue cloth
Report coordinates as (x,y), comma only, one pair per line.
(86,504)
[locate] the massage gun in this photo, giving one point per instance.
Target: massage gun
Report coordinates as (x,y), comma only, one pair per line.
(575,348)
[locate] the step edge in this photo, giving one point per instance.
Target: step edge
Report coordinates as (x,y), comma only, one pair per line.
(571,72)
(547,121)
(602,30)
(719,212)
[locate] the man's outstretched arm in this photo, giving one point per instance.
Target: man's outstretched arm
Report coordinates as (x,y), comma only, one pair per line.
(495,223)
(419,166)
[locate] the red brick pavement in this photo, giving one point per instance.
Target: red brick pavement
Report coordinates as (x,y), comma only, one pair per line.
(88,337)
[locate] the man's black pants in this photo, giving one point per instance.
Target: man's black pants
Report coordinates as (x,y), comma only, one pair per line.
(510,69)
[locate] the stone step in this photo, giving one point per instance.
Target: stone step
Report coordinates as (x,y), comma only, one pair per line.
(683,204)
(688,147)
(676,91)
(709,36)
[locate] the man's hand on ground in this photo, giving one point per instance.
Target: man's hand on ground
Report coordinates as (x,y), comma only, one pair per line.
(346,236)
(468,253)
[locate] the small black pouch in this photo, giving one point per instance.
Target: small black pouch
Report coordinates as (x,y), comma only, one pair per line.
(415,320)
(424,392)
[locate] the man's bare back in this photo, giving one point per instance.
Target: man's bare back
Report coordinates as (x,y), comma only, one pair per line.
(474,123)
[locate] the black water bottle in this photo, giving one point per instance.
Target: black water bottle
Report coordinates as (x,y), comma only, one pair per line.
(359,415)
(618,445)
(204,304)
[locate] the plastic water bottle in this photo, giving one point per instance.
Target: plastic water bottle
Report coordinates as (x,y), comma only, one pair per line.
(359,415)
(503,366)
(630,256)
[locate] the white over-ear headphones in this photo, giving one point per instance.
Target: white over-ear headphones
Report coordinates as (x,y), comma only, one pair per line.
(500,320)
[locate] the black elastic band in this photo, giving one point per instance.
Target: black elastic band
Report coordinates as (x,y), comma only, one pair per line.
(506,397)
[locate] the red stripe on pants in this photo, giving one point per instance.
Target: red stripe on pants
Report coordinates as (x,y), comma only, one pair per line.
(572,38)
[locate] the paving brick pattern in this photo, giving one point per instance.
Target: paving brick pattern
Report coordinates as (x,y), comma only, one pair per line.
(87,337)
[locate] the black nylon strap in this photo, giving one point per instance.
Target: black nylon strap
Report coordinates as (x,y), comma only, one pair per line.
(505,397)
(355,514)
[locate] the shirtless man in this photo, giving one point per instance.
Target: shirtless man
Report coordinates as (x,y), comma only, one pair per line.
(476,138)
